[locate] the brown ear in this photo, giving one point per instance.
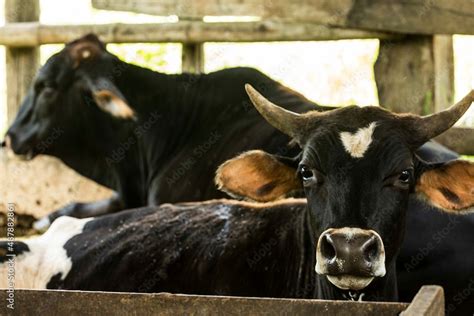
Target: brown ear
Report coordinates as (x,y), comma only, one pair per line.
(85,48)
(258,176)
(449,186)
(113,103)
(109,98)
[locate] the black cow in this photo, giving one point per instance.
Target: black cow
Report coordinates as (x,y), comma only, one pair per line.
(223,247)
(342,244)
(151,137)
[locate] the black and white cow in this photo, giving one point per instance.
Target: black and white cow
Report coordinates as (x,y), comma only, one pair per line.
(358,167)
(150,137)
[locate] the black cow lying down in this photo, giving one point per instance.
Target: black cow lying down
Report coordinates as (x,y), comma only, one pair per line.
(150,137)
(357,168)
(224,247)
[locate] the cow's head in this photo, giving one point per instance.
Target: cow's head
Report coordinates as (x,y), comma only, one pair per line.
(72,92)
(357,168)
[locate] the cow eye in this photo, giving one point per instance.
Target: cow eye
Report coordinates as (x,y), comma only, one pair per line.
(44,85)
(39,86)
(306,173)
(405,176)
(404,179)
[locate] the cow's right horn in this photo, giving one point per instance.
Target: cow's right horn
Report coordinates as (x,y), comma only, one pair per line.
(286,121)
(435,124)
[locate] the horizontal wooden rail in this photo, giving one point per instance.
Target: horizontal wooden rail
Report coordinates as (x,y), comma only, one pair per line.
(51,302)
(34,34)
(413,16)
(429,301)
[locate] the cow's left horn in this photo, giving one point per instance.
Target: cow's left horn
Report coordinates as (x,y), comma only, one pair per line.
(435,124)
(286,121)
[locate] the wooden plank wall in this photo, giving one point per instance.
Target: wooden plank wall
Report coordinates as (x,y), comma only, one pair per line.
(424,60)
(22,62)
(411,17)
(188,32)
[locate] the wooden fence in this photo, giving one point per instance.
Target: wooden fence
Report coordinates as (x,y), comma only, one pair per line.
(428,302)
(414,71)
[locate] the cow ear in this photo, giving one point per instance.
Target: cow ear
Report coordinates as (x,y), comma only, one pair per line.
(449,186)
(86,48)
(109,98)
(114,104)
(258,176)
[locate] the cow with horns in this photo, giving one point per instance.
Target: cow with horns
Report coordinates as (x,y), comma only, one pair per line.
(359,169)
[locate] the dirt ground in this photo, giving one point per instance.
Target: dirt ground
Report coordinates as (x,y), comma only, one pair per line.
(40,186)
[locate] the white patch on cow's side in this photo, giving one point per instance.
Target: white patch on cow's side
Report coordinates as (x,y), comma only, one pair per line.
(356,144)
(42,224)
(46,256)
(223,212)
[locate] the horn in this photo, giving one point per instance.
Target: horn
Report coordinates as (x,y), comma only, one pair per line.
(435,124)
(286,121)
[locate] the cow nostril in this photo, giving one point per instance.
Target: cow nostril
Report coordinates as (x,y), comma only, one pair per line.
(7,142)
(328,250)
(371,249)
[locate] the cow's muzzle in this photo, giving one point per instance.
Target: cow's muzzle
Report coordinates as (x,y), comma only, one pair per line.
(350,257)
(24,150)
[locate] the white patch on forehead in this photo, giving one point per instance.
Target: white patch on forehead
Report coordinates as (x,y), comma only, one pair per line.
(46,257)
(356,144)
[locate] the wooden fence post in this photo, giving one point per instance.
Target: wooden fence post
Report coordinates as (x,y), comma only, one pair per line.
(443,55)
(415,74)
(192,55)
(21,62)
(192,58)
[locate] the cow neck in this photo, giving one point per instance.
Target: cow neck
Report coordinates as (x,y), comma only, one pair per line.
(171,103)
(307,283)
(86,161)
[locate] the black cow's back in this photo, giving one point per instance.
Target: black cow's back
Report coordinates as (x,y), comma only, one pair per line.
(216,247)
(226,124)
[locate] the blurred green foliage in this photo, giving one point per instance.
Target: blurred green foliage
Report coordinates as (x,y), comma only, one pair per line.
(159,57)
